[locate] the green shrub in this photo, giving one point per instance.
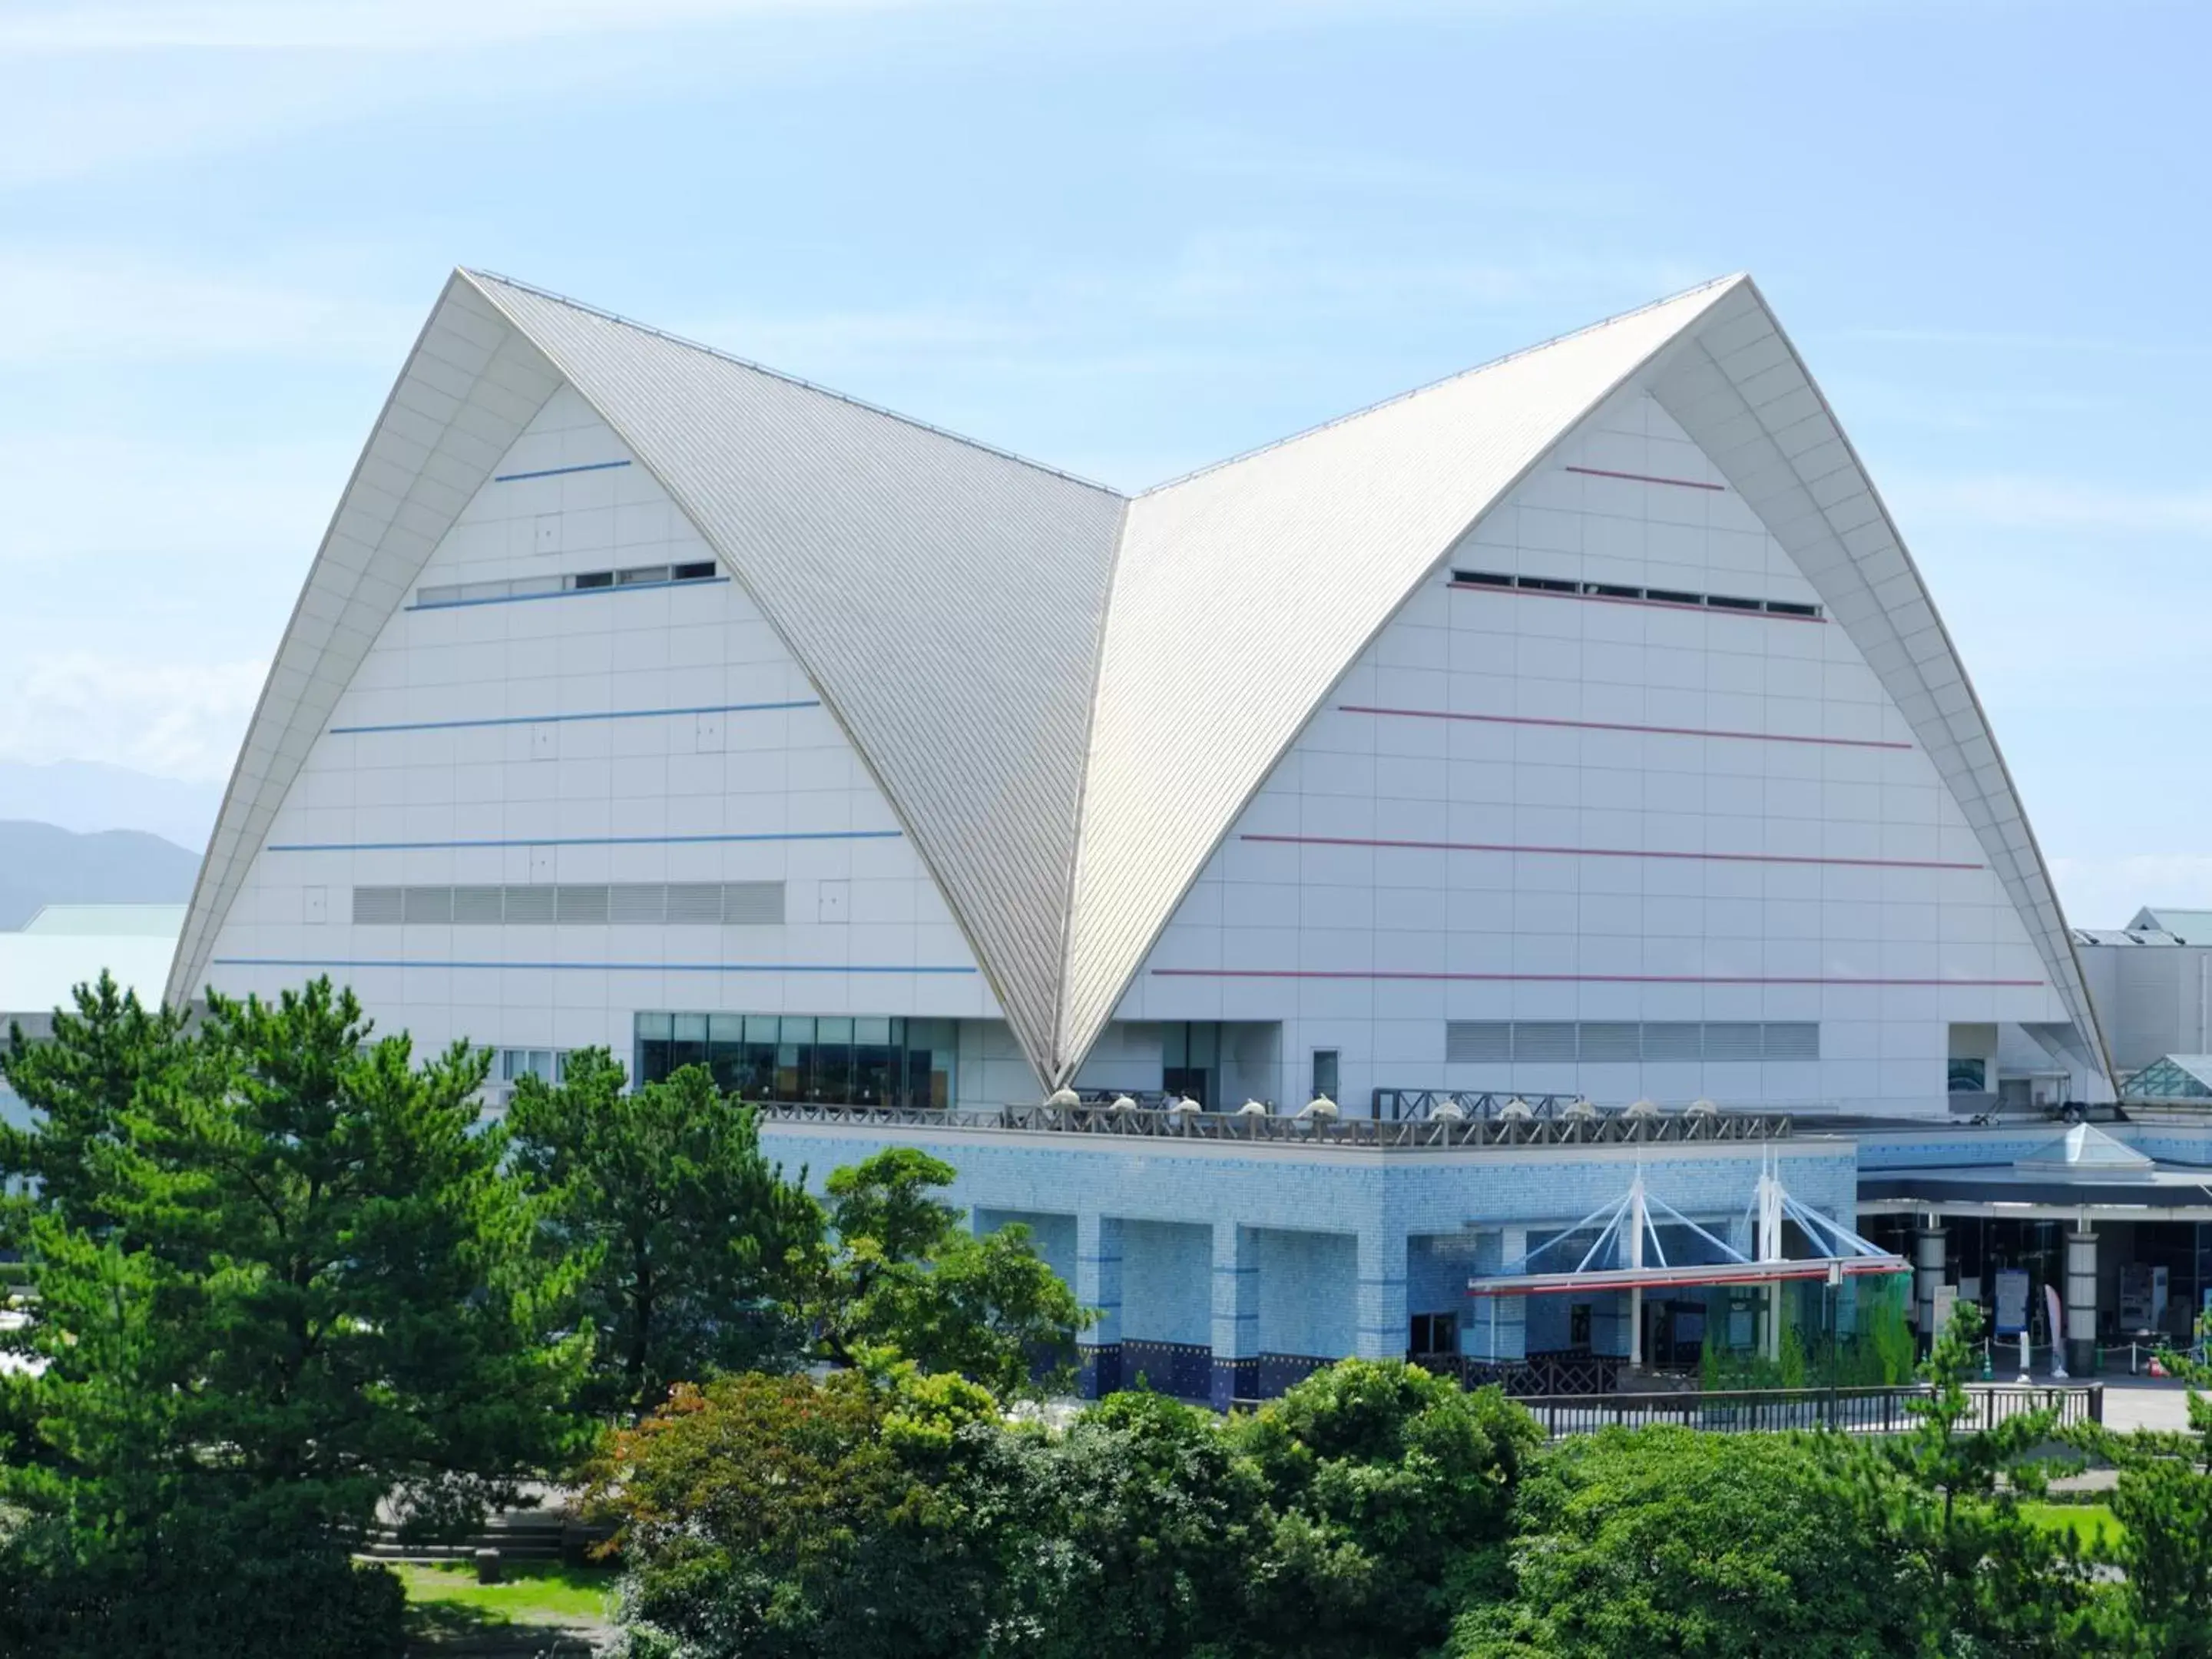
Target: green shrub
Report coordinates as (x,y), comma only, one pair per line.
(189,1599)
(1664,1541)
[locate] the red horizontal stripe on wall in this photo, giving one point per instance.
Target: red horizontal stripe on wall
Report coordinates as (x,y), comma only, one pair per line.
(1577,979)
(1654,604)
(1610,852)
(1620,726)
(1644,477)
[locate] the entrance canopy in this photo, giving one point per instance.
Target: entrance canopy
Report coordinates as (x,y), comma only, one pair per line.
(1629,1253)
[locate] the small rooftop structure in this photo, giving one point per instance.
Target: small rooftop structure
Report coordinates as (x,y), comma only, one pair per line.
(2175,1077)
(2084,1151)
(2187,927)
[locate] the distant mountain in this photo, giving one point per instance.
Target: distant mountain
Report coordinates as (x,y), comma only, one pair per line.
(86,796)
(42,864)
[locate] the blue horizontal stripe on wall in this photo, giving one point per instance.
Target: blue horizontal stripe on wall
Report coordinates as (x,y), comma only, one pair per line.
(555,471)
(595,967)
(570,593)
(554,720)
(579,841)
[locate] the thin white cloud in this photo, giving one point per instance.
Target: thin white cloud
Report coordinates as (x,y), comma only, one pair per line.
(2017,502)
(2027,340)
(376,25)
(101,304)
(237,505)
(174,720)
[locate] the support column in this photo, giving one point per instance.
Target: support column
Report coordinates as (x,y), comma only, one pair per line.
(1236,1316)
(2082,1301)
(1929,1244)
(1384,1331)
(1637,1221)
(1098,1284)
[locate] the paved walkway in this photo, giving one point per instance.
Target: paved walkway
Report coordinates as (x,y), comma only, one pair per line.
(2141,1402)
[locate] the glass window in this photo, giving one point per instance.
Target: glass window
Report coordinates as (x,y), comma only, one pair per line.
(653,1035)
(688,1046)
(1324,1072)
(794,1059)
(873,1078)
(833,1060)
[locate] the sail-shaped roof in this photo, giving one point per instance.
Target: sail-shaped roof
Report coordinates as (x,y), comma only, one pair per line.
(1067,696)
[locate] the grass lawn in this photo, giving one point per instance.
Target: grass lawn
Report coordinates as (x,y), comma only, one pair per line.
(2082,1520)
(446,1596)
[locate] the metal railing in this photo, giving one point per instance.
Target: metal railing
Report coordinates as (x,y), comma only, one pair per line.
(1606,1129)
(1492,1105)
(1565,1373)
(1858,1410)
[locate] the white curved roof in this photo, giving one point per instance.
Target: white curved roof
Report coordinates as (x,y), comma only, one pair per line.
(1068,696)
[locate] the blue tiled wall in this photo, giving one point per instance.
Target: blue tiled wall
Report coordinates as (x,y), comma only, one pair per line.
(1307,1291)
(1341,1245)
(1167,1282)
(1438,1267)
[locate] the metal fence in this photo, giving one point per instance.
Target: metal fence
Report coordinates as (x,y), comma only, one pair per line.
(1605,1129)
(1647,1122)
(1860,1411)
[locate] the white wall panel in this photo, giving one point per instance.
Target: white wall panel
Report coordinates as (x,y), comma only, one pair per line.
(1793,893)
(614,785)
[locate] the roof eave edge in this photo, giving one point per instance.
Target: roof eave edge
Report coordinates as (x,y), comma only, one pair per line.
(195,945)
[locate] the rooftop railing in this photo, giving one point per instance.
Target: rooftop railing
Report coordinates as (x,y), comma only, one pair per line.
(1598,1129)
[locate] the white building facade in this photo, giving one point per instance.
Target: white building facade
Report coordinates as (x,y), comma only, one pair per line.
(1574,727)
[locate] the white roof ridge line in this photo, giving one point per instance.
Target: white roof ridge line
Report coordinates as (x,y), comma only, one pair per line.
(1482,368)
(731,358)
(1066,953)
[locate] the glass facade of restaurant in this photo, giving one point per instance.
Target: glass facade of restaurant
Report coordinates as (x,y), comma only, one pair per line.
(832,1058)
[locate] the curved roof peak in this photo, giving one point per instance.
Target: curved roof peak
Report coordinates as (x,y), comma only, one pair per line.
(1089,687)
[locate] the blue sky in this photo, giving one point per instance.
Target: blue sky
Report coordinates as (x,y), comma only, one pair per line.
(1124,239)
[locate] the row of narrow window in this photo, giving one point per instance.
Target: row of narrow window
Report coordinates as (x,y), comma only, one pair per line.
(1501,1041)
(703,903)
(1617,591)
(586,581)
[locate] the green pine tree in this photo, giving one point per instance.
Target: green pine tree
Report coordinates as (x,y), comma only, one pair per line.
(287,1280)
(695,1241)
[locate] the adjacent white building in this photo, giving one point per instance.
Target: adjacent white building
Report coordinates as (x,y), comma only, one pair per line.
(65,945)
(1577,725)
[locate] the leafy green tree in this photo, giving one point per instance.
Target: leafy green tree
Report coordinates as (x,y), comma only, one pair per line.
(297,1281)
(1147,1520)
(1980,1576)
(784,1517)
(697,1240)
(1381,1481)
(905,1275)
(1665,1541)
(2163,1501)
(77,1085)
